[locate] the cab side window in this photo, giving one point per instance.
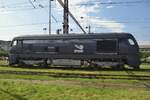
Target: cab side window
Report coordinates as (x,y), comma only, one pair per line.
(19,42)
(14,43)
(131,42)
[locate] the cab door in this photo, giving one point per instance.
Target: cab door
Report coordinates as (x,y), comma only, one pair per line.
(128,46)
(16,47)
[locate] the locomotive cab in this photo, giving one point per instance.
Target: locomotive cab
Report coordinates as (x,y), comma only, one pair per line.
(130,49)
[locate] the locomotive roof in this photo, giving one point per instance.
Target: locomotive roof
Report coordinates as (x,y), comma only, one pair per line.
(77,36)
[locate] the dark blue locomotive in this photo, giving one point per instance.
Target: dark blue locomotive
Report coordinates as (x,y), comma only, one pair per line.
(115,47)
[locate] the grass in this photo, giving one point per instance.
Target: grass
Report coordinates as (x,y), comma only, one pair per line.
(18,83)
(47,74)
(25,91)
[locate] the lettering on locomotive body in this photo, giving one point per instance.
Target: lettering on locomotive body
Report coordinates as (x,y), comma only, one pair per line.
(79,48)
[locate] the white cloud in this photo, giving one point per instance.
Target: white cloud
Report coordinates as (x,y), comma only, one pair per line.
(13,18)
(85,11)
(108,24)
(110,7)
(109,1)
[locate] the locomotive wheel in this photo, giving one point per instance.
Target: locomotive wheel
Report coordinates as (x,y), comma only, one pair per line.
(51,62)
(81,63)
(45,64)
(11,64)
(136,67)
(120,66)
(20,63)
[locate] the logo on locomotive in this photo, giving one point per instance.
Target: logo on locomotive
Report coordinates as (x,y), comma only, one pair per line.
(78,48)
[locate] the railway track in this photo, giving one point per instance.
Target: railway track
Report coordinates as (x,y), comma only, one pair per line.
(137,77)
(130,75)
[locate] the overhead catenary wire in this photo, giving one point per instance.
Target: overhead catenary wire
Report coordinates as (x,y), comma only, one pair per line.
(89,3)
(46,23)
(31,24)
(30,8)
(31,3)
(116,3)
(22,4)
(24,8)
(93,2)
(15,5)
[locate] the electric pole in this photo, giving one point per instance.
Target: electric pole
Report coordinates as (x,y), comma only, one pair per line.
(89,29)
(72,16)
(66,17)
(50,17)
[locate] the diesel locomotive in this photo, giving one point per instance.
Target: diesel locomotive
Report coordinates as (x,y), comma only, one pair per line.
(98,47)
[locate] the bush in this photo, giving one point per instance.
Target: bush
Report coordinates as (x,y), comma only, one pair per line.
(3,53)
(144,56)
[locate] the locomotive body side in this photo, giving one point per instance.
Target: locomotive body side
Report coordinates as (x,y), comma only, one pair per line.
(95,47)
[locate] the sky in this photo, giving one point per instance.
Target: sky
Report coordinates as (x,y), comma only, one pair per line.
(28,17)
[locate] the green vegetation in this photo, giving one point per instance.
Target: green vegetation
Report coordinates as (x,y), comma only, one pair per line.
(3,53)
(11,90)
(144,56)
(20,83)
